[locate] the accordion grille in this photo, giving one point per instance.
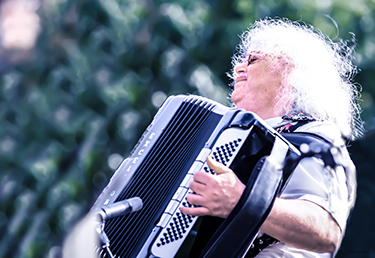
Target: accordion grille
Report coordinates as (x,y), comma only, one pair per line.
(159,175)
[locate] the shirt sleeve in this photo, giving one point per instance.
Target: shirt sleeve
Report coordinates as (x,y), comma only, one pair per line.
(331,188)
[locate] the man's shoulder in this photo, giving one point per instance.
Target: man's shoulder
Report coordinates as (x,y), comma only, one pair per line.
(324,129)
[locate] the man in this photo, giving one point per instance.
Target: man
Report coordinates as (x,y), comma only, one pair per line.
(286,73)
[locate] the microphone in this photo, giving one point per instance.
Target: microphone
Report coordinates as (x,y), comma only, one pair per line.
(120,208)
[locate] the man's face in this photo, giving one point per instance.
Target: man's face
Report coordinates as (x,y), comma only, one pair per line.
(258,84)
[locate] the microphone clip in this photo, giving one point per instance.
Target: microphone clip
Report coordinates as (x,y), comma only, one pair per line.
(112,211)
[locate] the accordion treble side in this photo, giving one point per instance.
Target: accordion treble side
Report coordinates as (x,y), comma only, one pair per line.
(161,166)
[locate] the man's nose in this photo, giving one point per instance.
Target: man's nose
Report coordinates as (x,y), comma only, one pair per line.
(240,68)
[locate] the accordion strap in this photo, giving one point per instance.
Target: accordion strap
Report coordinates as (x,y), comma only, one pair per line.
(259,244)
(238,231)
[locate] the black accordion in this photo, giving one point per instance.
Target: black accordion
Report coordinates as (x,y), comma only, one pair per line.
(161,166)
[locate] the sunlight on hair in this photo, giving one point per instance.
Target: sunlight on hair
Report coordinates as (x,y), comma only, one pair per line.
(323,70)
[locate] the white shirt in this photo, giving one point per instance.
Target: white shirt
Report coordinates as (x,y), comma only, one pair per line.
(332,189)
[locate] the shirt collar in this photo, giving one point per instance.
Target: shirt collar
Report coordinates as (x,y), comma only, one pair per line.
(276,122)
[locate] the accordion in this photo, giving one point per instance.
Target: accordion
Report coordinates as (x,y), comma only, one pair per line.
(184,132)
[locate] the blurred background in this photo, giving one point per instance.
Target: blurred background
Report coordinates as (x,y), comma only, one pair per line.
(81,79)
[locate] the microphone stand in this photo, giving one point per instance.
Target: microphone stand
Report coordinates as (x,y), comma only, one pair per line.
(104,240)
(112,211)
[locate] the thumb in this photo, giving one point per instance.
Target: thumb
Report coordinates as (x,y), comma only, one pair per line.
(217,166)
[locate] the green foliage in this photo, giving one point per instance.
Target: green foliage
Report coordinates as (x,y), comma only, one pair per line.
(99,72)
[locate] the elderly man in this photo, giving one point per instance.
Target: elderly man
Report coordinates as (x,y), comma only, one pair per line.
(288,73)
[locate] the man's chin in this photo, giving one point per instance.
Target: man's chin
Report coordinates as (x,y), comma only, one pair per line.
(237,103)
(235,98)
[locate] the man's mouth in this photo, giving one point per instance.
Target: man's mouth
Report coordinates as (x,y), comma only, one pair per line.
(241,77)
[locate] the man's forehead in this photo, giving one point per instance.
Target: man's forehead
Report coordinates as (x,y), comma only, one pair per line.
(264,53)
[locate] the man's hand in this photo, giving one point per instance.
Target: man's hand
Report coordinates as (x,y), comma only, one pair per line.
(216,195)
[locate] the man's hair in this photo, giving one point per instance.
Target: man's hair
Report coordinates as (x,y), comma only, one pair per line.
(320,79)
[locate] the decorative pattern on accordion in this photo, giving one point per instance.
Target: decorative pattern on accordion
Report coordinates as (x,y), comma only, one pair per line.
(224,153)
(179,226)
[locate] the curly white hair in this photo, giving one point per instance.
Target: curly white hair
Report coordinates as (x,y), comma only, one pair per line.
(320,74)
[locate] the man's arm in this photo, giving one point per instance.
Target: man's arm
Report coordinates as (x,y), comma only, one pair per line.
(302,224)
(297,223)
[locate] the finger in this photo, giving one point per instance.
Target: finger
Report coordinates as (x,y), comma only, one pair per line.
(201,177)
(195,199)
(217,166)
(197,187)
(198,211)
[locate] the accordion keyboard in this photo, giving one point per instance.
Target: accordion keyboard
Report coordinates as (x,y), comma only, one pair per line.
(176,225)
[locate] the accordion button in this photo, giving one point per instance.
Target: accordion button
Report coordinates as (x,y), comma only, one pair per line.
(187,180)
(180,193)
(172,206)
(203,154)
(164,220)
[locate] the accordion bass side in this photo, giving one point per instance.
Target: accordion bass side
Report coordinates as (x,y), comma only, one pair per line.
(161,166)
